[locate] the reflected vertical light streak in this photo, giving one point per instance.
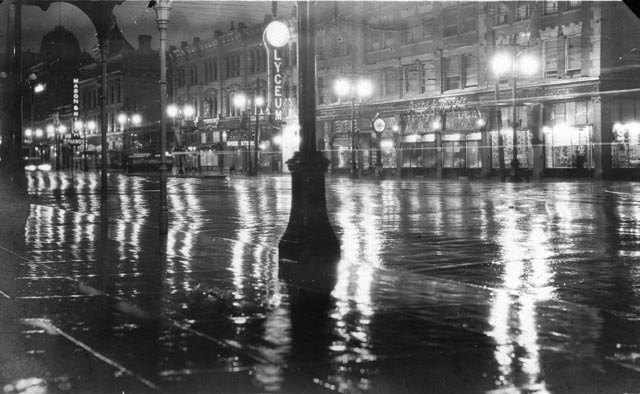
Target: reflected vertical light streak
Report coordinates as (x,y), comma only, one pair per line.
(121,225)
(526,281)
(246,221)
(31,182)
(352,292)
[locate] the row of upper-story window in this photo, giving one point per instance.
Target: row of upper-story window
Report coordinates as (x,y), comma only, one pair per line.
(212,104)
(559,57)
(90,96)
(207,70)
(384,32)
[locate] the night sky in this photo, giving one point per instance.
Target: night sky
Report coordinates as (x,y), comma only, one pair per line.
(188,19)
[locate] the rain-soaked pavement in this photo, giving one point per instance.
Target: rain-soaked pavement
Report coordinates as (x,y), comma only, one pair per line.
(442,287)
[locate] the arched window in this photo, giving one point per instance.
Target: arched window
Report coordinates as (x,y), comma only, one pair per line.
(214,69)
(238,64)
(229,64)
(214,104)
(227,103)
(251,61)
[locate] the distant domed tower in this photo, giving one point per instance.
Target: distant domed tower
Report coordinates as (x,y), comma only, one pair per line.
(60,43)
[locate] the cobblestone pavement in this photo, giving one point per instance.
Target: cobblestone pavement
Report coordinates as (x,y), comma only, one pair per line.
(442,287)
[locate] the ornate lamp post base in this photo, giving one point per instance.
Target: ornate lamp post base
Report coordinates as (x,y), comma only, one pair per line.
(309,237)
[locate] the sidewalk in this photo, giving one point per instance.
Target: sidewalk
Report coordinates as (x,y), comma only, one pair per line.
(94,308)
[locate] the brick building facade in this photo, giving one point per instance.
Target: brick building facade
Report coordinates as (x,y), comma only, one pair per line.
(444,107)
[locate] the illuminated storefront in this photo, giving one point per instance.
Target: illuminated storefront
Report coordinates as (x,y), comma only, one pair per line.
(568,137)
(625,149)
(625,138)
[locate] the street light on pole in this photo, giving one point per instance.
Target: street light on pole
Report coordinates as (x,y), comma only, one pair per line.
(347,88)
(162,8)
(513,65)
(91,126)
(183,112)
(241,102)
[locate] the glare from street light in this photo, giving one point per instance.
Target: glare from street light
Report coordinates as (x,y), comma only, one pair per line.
(38,88)
(527,64)
(501,63)
(188,111)
(364,88)
(39,132)
(122,118)
(259,101)
(136,119)
(239,100)
(342,87)
(50,130)
(28,133)
(62,129)
(172,110)
(91,125)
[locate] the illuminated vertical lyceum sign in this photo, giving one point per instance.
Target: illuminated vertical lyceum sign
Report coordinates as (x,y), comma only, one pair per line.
(76,101)
(277,85)
(277,35)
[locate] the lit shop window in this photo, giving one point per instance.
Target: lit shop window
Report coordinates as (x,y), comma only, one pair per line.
(625,149)
(568,146)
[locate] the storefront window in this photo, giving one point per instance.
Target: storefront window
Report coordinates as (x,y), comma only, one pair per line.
(452,155)
(626,146)
(473,158)
(568,147)
(524,148)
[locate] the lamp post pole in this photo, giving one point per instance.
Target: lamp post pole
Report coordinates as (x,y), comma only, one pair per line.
(162,20)
(256,139)
(500,139)
(84,150)
(354,165)
(249,164)
(515,164)
(309,238)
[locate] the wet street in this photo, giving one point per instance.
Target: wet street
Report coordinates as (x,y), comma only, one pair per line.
(443,286)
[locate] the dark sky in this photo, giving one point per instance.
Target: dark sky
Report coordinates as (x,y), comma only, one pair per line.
(188,19)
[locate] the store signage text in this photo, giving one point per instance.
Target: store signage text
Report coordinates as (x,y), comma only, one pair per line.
(76,100)
(439,104)
(557,92)
(277,85)
(335,113)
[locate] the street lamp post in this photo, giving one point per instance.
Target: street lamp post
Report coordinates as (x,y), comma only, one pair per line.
(91,126)
(309,239)
(513,65)
(125,120)
(242,103)
(362,88)
(186,111)
(258,101)
(162,20)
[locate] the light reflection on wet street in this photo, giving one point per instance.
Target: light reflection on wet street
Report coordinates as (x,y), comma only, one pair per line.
(442,287)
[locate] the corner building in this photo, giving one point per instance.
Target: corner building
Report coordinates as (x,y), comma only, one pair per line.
(207,74)
(446,112)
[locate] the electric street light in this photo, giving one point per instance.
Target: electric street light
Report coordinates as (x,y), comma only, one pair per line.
(162,8)
(91,126)
(186,111)
(346,88)
(513,65)
(241,102)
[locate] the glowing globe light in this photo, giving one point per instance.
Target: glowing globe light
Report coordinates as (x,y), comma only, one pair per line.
(501,63)
(277,34)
